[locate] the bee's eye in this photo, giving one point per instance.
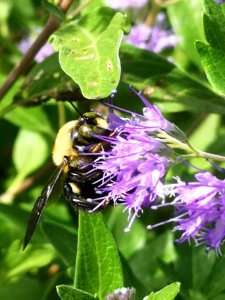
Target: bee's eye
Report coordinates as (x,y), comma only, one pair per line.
(90,118)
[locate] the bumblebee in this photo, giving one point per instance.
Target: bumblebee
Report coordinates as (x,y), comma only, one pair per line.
(75,148)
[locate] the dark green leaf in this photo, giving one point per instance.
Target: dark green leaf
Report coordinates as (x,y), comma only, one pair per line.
(45,80)
(193,268)
(98,269)
(216,279)
(201,268)
(66,292)
(130,279)
(212,54)
(63,239)
(144,263)
(170,87)
(218,297)
(20,288)
(16,219)
(88,51)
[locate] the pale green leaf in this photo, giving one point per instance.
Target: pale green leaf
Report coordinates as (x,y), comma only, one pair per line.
(167,293)
(16,262)
(29,152)
(88,51)
(187,29)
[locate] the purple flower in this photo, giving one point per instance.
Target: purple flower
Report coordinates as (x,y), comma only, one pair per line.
(200,210)
(219,1)
(118,4)
(135,166)
(45,51)
(122,294)
(156,38)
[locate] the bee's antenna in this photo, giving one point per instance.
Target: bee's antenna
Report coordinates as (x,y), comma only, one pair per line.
(77,110)
(110,100)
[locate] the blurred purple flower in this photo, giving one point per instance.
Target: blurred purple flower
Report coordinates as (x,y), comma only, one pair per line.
(200,210)
(44,52)
(156,38)
(219,1)
(135,166)
(126,3)
(122,294)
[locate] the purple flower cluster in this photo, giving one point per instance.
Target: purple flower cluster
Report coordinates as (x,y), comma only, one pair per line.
(200,210)
(156,38)
(45,51)
(219,1)
(134,168)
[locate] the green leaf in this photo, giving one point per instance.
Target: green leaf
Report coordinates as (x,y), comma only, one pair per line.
(130,279)
(92,5)
(53,9)
(63,239)
(23,286)
(187,29)
(98,269)
(212,54)
(172,89)
(130,242)
(29,152)
(216,279)
(157,249)
(33,119)
(211,121)
(16,262)
(194,268)
(167,293)
(66,292)
(213,61)
(88,51)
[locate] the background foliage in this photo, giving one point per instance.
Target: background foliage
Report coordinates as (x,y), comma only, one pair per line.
(188,87)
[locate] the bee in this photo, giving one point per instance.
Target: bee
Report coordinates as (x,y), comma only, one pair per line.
(76,146)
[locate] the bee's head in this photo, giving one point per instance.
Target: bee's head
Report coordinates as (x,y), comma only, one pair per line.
(92,122)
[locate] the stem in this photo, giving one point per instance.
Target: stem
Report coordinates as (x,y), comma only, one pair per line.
(209,156)
(150,20)
(51,25)
(80,8)
(174,143)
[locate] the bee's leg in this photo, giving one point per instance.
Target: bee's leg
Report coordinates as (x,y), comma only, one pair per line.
(79,202)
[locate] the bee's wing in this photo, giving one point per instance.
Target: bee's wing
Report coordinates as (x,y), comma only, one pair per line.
(41,202)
